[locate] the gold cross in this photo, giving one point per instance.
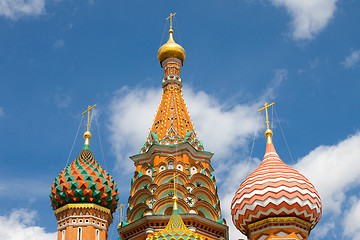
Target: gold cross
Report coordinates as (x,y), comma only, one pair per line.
(88,111)
(174,177)
(121,208)
(266,110)
(171,15)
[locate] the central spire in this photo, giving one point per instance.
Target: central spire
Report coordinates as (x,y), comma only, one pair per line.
(172,124)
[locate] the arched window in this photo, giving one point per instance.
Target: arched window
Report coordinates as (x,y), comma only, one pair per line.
(79,235)
(63,235)
(179,167)
(171,165)
(168,211)
(148,172)
(193,170)
(97,234)
(162,168)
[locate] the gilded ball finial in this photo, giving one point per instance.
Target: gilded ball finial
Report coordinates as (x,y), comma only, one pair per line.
(87,135)
(268,133)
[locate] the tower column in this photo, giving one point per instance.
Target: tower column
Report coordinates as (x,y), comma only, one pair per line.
(172,69)
(83,221)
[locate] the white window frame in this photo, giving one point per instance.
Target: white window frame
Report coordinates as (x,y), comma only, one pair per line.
(79,234)
(97,234)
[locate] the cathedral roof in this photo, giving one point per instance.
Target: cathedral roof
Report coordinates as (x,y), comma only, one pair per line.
(172,124)
(274,190)
(84,181)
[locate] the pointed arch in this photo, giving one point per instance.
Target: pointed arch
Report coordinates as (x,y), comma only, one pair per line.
(139,197)
(141,181)
(137,212)
(207,209)
(205,195)
(163,204)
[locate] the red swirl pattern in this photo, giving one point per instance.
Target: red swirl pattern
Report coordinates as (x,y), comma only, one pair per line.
(274,189)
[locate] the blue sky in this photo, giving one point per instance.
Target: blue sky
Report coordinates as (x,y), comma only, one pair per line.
(59,56)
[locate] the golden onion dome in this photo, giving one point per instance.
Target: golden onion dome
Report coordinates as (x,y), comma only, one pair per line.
(171,50)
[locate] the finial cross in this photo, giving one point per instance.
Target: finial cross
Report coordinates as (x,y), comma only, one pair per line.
(266,106)
(88,112)
(171,15)
(121,208)
(174,177)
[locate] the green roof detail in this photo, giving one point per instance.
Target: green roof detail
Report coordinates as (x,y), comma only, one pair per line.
(75,184)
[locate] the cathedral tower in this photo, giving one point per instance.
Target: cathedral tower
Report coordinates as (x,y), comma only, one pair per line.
(84,196)
(275,201)
(172,146)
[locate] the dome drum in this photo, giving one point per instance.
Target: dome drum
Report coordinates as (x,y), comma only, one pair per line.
(289,227)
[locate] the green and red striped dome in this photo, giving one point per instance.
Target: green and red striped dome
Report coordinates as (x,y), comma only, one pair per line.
(84,181)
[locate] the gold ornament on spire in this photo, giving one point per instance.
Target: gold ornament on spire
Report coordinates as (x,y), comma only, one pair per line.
(175,198)
(171,49)
(87,134)
(171,15)
(121,214)
(268,132)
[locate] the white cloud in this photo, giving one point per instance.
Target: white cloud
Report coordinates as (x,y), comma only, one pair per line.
(222,127)
(322,230)
(19,225)
(59,43)
(280,76)
(309,17)
(352,60)
(2,113)
(132,112)
(62,98)
(334,170)
(352,220)
(15,9)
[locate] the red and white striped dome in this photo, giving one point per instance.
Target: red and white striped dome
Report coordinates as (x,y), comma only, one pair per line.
(274,190)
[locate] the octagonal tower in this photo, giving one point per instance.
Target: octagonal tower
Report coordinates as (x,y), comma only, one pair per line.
(172,146)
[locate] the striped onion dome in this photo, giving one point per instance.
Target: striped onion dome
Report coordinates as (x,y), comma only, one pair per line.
(274,190)
(84,181)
